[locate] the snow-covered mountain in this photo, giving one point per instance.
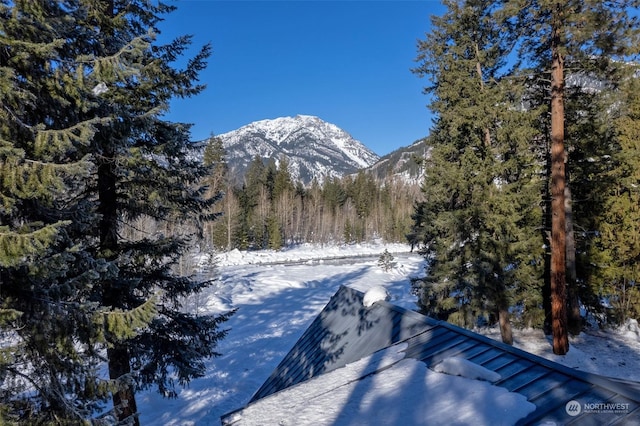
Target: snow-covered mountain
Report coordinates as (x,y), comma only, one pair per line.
(404,163)
(312,147)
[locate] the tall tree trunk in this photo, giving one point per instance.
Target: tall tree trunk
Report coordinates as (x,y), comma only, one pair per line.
(505,325)
(573,304)
(558,226)
(503,308)
(124,401)
(487,134)
(228,203)
(503,314)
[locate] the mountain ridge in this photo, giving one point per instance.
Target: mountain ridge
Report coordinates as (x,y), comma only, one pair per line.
(314,148)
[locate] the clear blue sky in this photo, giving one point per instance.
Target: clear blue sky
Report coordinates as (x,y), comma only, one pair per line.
(347,62)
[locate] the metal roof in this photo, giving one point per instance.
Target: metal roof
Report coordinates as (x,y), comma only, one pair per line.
(346,331)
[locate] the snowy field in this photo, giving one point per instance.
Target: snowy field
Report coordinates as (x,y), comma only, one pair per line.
(278,299)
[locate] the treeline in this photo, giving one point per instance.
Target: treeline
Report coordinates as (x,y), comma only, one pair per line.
(269,210)
(532,190)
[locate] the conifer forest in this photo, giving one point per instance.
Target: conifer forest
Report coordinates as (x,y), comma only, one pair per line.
(528,207)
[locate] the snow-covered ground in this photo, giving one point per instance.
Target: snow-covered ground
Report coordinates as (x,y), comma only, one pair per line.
(277,301)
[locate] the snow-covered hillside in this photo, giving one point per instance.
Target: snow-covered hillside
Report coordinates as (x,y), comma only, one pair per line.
(313,147)
(277,301)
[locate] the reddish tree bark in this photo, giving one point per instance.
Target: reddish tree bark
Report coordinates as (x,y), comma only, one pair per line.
(558,220)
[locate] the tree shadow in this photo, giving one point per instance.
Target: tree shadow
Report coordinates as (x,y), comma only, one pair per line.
(345,331)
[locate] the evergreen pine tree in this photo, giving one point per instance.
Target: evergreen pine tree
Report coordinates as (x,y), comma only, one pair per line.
(282,203)
(333,194)
(386,261)
(587,37)
(362,192)
(144,168)
(242,236)
(282,182)
(48,269)
(616,249)
(274,232)
(255,204)
(218,185)
(480,212)
(85,93)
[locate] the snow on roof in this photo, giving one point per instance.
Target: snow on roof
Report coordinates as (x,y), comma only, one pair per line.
(391,389)
(462,367)
(375,294)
